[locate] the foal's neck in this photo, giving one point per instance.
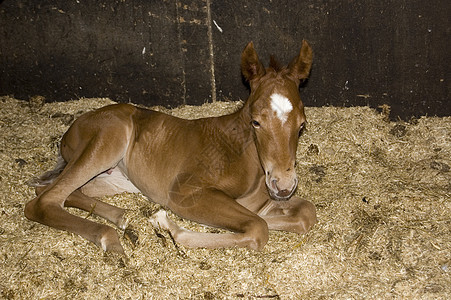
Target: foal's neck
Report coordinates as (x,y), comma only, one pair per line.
(233,130)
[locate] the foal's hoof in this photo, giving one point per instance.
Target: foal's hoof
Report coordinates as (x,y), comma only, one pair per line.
(110,242)
(123,220)
(308,215)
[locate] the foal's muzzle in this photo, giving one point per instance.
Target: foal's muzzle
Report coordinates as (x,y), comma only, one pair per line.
(279,193)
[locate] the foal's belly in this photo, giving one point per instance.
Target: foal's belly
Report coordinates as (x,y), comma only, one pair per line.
(154,161)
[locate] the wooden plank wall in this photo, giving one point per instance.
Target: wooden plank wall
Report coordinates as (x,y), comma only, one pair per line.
(178,52)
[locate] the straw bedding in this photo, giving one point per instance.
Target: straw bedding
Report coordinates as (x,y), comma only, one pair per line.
(382,191)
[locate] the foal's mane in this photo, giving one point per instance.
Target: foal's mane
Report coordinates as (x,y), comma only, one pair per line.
(274,64)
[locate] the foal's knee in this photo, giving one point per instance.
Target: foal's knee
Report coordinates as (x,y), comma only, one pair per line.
(33,210)
(256,234)
(41,211)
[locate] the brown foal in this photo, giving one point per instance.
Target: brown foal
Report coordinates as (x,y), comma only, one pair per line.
(236,171)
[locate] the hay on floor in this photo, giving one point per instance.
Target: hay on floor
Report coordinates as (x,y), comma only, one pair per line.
(382,191)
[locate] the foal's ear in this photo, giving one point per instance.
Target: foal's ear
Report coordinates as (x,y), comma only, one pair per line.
(300,66)
(251,67)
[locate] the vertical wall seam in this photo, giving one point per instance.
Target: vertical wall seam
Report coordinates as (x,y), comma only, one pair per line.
(182,55)
(211,49)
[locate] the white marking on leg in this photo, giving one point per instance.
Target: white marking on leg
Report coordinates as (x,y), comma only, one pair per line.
(160,220)
(281,106)
(103,243)
(123,223)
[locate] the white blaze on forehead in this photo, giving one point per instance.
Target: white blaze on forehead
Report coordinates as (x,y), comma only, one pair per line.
(281,105)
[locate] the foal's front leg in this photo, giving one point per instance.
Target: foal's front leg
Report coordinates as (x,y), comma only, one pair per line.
(295,215)
(214,208)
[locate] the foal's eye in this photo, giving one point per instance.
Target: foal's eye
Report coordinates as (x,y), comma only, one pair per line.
(255,124)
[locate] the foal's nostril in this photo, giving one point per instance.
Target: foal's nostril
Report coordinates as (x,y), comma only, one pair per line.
(274,184)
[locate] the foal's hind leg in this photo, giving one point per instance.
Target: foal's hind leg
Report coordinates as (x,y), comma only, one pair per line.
(81,201)
(109,212)
(92,158)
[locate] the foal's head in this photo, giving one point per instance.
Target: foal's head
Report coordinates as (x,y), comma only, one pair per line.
(277,115)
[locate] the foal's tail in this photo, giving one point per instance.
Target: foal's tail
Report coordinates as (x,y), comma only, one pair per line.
(49,176)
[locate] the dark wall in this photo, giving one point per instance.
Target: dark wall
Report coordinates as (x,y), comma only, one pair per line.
(187,52)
